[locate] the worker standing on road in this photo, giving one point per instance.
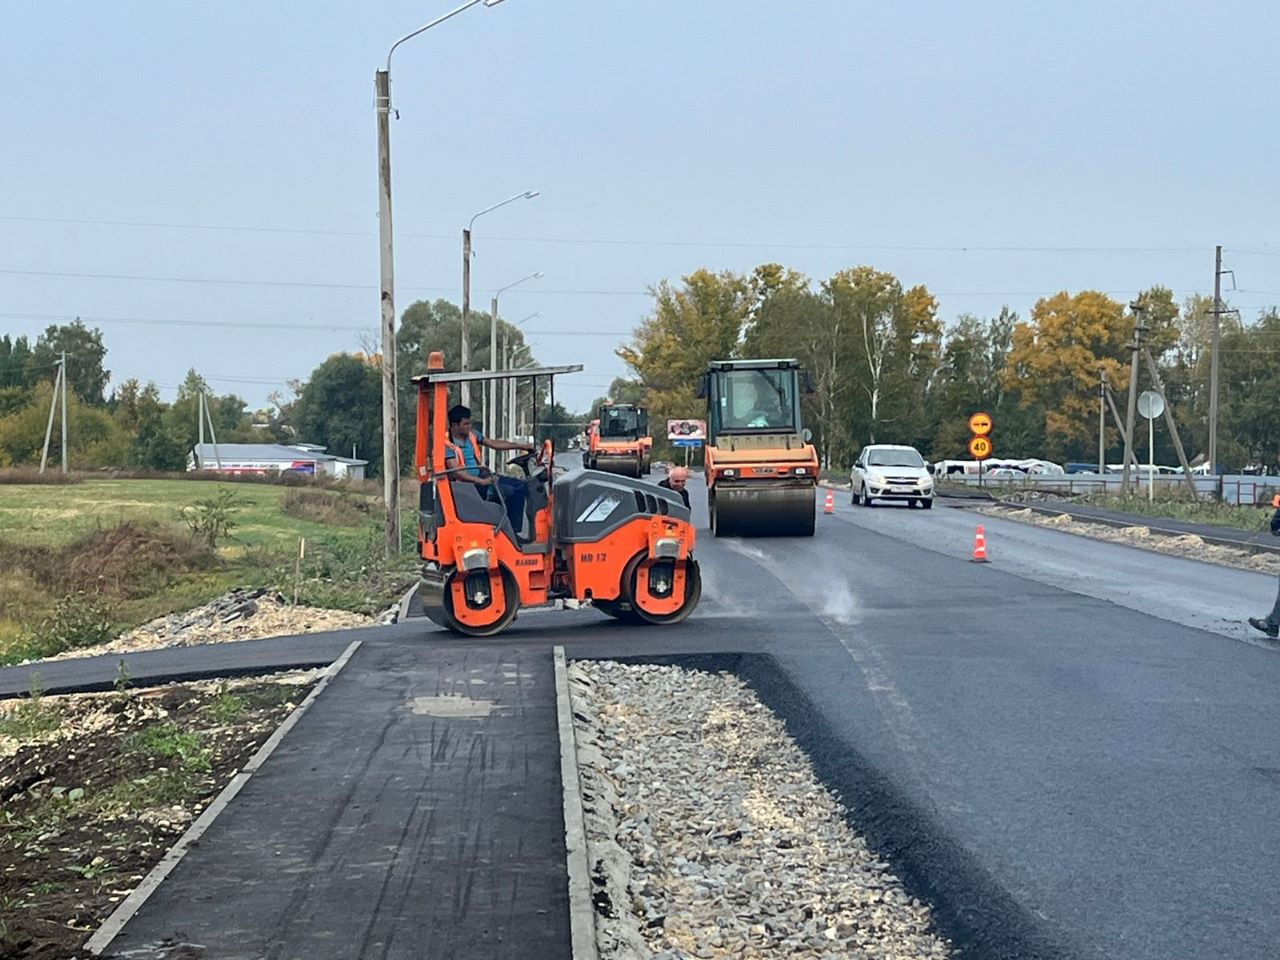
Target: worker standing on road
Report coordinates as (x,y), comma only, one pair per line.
(463,450)
(1270,624)
(677,479)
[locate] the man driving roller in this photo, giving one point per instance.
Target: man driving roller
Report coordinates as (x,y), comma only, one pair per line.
(462,450)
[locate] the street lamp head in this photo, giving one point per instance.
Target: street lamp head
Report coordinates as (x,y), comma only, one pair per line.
(538,276)
(492,3)
(530,194)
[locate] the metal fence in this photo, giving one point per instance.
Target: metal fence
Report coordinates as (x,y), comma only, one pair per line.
(1240,490)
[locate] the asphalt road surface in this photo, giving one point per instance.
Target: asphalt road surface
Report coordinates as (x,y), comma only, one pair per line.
(1090,723)
(1072,751)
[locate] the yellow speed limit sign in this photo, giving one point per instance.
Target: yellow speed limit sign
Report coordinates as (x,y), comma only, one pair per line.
(980,424)
(980,447)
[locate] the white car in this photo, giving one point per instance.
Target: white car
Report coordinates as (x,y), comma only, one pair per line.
(890,472)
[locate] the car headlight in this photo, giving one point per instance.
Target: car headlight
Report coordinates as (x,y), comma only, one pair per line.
(875,479)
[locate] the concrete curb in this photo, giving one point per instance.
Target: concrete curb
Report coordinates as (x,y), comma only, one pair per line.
(402,610)
(582,915)
(131,904)
(1246,545)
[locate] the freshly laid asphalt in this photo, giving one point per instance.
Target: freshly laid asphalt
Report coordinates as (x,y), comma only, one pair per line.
(1072,751)
(86,674)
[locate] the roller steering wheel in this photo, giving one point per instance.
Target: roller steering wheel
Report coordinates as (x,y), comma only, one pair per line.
(522,462)
(544,455)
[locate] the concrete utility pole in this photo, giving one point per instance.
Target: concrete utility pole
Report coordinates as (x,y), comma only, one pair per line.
(1139,329)
(53,408)
(64,412)
(1214,339)
(1102,426)
(466,309)
(386,258)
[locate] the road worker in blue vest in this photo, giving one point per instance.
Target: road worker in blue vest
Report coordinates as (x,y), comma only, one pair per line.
(463,450)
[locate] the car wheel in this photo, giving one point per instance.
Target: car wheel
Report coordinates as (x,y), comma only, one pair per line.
(866,497)
(912,504)
(927,503)
(853,494)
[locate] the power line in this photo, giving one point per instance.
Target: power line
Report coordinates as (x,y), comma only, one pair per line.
(321,285)
(622,241)
(159,322)
(370,287)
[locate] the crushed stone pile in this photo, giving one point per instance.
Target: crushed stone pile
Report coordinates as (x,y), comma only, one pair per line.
(710,835)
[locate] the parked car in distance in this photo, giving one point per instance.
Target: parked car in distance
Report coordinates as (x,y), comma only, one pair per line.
(886,471)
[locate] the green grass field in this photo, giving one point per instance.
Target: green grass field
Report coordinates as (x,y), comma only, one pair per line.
(55,515)
(77,558)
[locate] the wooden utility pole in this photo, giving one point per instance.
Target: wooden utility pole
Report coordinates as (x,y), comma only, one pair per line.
(386,258)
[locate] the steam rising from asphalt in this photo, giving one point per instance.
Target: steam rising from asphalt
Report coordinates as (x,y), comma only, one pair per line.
(840,604)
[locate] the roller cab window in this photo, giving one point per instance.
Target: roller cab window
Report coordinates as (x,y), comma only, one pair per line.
(757,400)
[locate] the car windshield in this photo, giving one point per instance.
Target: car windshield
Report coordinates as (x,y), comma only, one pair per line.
(619,422)
(894,458)
(757,399)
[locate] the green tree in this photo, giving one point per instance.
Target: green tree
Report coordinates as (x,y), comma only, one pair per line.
(1056,361)
(691,324)
(341,405)
(15,357)
(86,353)
(893,337)
(93,437)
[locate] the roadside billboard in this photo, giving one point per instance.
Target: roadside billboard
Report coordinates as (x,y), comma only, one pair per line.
(687,430)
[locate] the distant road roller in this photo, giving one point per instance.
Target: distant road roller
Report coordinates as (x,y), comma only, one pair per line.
(618,440)
(624,545)
(761,469)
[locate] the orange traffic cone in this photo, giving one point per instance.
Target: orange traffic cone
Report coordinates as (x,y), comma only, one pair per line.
(830,506)
(980,546)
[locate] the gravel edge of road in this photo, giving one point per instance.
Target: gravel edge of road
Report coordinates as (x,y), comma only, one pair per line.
(794,865)
(1231,555)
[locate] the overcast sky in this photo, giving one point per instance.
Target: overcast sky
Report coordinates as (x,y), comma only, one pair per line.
(663,135)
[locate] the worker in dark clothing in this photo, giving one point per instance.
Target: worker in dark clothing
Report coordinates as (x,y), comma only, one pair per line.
(677,479)
(1270,624)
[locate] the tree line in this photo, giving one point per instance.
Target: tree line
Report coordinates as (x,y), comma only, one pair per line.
(339,405)
(888,369)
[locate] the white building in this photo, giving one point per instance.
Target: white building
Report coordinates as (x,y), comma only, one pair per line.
(263,458)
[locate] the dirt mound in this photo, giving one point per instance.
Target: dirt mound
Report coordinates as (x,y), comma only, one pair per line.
(122,562)
(126,560)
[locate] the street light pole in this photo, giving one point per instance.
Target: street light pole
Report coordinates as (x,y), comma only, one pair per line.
(466,283)
(507,389)
(386,260)
(491,413)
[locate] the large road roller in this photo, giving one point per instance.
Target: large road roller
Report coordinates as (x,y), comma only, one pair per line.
(761,469)
(618,440)
(620,544)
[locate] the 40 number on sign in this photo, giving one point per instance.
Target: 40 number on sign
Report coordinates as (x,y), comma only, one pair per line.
(980,447)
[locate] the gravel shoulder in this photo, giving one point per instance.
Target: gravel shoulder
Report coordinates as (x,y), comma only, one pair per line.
(94,788)
(710,835)
(1189,546)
